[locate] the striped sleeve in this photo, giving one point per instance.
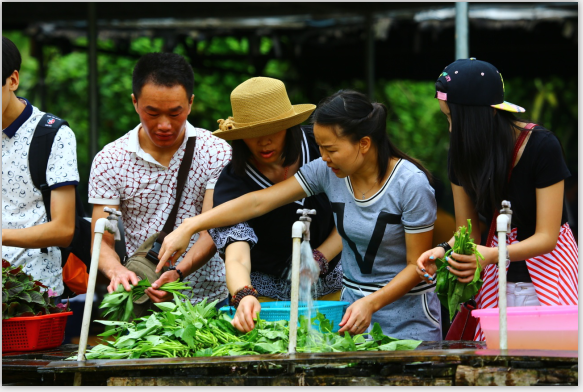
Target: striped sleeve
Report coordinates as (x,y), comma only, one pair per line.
(312,176)
(418,229)
(304,184)
(418,203)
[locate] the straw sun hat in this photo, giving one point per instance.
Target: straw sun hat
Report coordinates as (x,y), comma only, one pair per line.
(261,107)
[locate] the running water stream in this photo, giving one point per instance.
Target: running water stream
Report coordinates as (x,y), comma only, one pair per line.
(309,274)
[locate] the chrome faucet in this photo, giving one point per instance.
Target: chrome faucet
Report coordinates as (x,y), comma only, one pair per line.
(307,220)
(112,222)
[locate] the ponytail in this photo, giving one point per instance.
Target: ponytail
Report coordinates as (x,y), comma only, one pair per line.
(357,117)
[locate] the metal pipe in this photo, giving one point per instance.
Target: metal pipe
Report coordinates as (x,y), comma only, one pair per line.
(462,31)
(502,227)
(298,230)
(93,92)
(99,230)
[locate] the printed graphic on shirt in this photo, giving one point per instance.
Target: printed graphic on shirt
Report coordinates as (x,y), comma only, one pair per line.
(383,219)
(373,230)
(22,203)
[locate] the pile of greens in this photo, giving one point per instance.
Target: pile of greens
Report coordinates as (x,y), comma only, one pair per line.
(119,305)
(449,290)
(23,296)
(181,329)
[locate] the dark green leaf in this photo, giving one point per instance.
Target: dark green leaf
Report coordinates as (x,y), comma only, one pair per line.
(24,296)
(36,297)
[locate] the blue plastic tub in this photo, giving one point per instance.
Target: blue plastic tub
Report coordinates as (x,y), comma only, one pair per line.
(280,310)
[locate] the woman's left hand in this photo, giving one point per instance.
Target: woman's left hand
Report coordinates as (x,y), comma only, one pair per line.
(357,317)
(464,266)
(173,246)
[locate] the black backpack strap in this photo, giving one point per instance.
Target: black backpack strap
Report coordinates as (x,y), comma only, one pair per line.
(38,156)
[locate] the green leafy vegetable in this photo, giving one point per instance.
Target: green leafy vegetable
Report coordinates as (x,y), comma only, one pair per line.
(119,305)
(23,296)
(181,329)
(449,290)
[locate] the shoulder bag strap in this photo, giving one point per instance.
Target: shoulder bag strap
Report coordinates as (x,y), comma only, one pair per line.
(38,157)
(182,176)
(519,143)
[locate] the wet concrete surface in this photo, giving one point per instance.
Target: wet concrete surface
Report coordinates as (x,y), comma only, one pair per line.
(432,363)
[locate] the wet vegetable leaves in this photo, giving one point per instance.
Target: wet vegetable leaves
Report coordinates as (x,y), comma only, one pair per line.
(449,290)
(119,305)
(181,329)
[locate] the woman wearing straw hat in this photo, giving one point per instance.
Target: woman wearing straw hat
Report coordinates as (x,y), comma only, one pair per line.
(496,156)
(268,147)
(384,209)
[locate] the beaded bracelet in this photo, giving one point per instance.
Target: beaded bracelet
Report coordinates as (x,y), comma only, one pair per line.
(245,291)
(445,245)
(173,268)
(322,261)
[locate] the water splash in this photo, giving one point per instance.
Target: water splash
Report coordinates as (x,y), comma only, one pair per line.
(309,274)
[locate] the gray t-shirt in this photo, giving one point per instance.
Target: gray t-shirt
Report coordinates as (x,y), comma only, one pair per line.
(373,230)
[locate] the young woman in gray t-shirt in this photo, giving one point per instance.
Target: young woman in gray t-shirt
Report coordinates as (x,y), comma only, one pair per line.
(384,209)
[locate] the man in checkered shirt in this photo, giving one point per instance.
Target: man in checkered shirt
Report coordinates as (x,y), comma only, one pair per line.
(137,174)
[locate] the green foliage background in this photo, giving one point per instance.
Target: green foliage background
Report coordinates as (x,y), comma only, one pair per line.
(414,123)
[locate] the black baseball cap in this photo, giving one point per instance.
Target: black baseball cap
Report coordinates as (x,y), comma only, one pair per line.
(474,83)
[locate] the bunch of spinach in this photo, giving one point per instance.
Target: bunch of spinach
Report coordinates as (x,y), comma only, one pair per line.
(23,296)
(181,329)
(119,305)
(449,290)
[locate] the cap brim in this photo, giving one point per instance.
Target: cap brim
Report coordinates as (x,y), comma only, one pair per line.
(302,111)
(509,107)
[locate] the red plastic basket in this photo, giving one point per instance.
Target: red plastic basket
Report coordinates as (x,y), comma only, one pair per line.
(34,333)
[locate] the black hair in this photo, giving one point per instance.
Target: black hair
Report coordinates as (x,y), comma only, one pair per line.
(163,69)
(482,142)
(357,117)
(11,59)
(290,154)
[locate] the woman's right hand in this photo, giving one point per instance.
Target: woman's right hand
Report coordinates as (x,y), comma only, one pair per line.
(426,267)
(174,245)
(248,309)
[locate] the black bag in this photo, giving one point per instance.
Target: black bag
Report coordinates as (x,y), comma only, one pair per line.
(38,156)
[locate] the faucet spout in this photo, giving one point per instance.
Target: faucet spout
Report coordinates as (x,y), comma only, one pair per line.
(307,220)
(111,225)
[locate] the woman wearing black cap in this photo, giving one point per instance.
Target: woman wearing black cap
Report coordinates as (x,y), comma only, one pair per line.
(496,156)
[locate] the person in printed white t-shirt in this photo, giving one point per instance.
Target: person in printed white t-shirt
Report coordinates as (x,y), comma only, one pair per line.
(28,238)
(137,174)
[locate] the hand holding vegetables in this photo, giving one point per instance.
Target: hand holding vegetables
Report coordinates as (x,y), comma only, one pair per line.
(121,275)
(426,267)
(247,311)
(465,266)
(357,317)
(449,289)
(119,305)
(156,293)
(458,271)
